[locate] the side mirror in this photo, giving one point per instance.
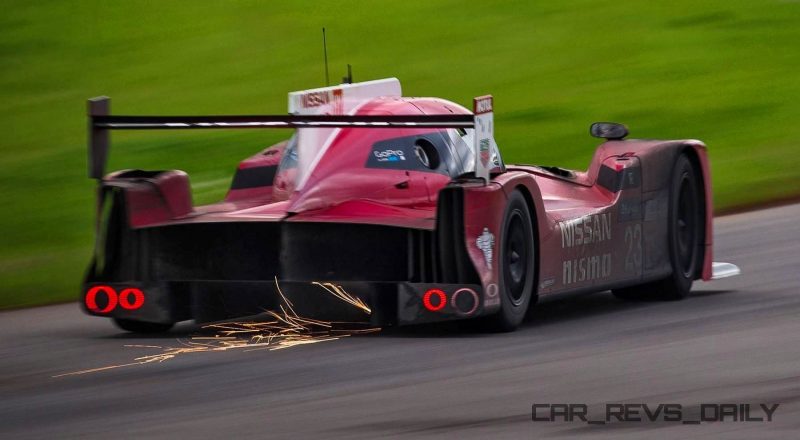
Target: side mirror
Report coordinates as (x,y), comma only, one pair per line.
(608,130)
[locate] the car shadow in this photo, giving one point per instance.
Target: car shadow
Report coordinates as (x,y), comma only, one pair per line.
(551,310)
(181,330)
(710,292)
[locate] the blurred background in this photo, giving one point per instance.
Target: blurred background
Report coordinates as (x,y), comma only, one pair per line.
(725,72)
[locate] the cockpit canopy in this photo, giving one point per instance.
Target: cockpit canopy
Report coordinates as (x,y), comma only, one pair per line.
(446,152)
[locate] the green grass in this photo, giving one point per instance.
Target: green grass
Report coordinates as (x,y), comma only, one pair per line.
(725,72)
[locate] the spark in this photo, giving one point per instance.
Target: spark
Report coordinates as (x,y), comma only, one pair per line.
(280,330)
(340,293)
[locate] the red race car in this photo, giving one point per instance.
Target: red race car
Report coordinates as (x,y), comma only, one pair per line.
(402,210)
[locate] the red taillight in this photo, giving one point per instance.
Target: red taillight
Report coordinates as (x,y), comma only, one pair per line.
(125,298)
(129,298)
(441,300)
(91,299)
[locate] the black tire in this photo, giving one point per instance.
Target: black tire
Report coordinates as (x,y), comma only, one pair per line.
(685,235)
(141,326)
(517,266)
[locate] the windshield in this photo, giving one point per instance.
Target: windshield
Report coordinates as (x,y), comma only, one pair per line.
(452,155)
(453,148)
(460,142)
(286,175)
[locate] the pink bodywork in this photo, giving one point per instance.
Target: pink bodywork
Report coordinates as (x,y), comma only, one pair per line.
(341,189)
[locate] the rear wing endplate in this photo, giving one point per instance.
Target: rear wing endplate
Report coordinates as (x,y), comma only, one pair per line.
(484,145)
(101,122)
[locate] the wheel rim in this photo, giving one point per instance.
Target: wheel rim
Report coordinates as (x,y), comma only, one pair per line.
(515,269)
(686,224)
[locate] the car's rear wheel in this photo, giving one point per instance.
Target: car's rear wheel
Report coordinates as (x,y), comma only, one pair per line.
(141,326)
(685,234)
(517,266)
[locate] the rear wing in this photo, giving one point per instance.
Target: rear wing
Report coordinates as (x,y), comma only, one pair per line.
(101,122)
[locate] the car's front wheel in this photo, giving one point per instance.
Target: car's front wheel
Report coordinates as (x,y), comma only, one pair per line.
(685,235)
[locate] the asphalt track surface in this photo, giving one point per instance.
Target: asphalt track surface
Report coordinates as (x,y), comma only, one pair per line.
(735,340)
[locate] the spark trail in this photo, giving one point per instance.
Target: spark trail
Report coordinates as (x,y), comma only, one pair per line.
(282,329)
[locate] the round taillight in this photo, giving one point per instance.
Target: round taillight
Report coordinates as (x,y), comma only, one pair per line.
(91,299)
(131,298)
(434,300)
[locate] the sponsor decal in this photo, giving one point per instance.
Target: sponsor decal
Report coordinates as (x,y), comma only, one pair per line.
(589,268)
(547,283)
(485,152)
(315,99)
(389,155)
(593,228)
(633,242)
(482,105)
(583,231)
(492,297)
(482,141)
(319,99)
(630,210)
(405,153)
(485,243)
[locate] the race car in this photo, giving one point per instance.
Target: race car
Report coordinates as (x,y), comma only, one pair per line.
(404,206)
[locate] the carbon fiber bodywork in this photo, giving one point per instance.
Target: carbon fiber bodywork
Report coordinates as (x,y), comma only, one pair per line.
(220,270)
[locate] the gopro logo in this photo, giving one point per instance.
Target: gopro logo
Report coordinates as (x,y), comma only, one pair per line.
(389,155)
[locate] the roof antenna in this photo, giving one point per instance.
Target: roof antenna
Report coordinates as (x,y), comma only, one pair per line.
(349,78)
(325,51)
